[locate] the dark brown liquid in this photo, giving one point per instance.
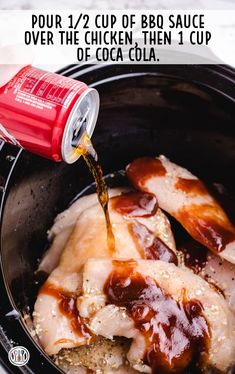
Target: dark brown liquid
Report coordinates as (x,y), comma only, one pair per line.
(176,333)
(87,151)
(67,306)
(195,255)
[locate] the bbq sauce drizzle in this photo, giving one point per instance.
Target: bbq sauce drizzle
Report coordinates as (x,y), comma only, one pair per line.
(141,169)
(203,225)
(207,223)
(156,250)
(136,204)
(176,333)
(67,304)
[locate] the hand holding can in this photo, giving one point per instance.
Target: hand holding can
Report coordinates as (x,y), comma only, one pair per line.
(9,66)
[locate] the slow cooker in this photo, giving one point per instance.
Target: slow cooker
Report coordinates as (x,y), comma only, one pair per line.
(185,112)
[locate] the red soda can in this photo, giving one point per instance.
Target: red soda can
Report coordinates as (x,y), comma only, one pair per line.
(44,113)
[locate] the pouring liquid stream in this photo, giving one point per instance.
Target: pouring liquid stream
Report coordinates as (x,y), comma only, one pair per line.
(87,151)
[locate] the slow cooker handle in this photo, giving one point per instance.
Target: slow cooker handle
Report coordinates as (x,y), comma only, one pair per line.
(8,157)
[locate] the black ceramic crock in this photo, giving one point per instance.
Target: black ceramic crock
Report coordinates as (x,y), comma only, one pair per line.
(184,112)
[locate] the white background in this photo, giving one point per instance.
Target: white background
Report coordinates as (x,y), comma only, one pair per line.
(117,4)
(220,23)
(131,4)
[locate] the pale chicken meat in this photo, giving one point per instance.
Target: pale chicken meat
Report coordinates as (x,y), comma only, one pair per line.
(63,226)
(141,230)
(55,316)
(172,324)
(133,301)
(186,198)
(76,229)
(133,236)
(218,272)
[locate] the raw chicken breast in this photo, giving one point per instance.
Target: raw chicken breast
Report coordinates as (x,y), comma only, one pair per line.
(186,198)
(56,319)
(89,238)
(84,221)
(63,226)
(173,316)
(141,230)
(215,270)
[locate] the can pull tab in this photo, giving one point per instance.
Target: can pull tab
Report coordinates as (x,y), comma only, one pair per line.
(81,140)
(78,134)
(79,129)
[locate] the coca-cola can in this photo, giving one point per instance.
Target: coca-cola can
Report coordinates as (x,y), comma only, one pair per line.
(44,113)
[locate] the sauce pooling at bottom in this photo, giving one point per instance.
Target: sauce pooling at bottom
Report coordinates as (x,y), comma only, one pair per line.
(176,332)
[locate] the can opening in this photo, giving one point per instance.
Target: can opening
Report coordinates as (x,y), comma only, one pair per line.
(78,132)
(82,118)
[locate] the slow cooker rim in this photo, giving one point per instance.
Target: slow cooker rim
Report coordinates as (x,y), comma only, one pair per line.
(219,68)
(124,76)
(217,72)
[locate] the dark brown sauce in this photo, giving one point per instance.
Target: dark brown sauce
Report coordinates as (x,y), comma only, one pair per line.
(157,250)
(203,225)
(176,333)
(67,306)
(191,186)
(88,152)
(143,168)
(196,258)
(195,255)
(135,204)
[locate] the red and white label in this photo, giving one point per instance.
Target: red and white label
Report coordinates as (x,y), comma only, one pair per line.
(40,89)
